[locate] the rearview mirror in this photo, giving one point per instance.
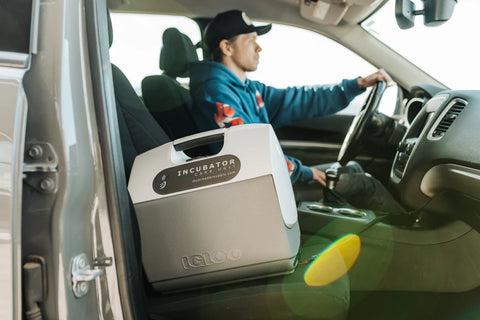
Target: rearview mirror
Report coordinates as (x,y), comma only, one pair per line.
(435,12)
(405,13)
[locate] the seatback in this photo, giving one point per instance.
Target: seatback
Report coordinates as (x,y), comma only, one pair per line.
(166,99)
(139,132)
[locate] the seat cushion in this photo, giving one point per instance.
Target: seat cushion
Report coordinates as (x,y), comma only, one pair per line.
(281,297)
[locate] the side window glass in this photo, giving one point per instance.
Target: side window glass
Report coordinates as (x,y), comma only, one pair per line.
(15,22)
(295,57)
(137,41)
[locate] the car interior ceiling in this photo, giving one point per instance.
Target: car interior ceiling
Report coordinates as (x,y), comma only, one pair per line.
(162,116)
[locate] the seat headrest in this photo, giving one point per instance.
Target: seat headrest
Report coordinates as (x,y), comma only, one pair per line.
(177,53)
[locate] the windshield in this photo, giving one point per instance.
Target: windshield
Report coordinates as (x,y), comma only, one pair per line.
(448,52)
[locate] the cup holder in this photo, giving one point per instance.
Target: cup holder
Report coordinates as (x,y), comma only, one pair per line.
(320,208)
(348,212)
(351,212)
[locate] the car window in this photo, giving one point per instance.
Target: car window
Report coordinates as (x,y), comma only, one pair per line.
(295,57)
(137,40)
(305,57)
(448,52)
(15,26)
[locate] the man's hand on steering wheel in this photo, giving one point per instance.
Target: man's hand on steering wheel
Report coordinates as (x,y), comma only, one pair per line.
(372,79)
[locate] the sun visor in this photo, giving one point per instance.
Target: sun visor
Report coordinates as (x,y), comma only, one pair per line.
(331,12)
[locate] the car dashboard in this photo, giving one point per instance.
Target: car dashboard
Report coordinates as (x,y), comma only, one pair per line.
(437,164)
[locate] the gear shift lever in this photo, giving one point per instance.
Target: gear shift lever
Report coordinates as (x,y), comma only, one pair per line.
(331,178)
(330,196)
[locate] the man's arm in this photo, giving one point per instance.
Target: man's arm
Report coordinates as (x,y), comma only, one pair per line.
(293,104)
(299,172)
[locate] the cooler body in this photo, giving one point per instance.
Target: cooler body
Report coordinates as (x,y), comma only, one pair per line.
(218,219)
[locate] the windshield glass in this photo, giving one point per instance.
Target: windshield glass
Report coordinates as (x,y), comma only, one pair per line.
(448,52)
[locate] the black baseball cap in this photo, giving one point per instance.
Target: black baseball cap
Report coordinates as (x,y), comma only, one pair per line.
(228,24)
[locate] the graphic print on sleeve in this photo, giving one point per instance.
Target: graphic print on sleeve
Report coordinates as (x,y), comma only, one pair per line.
(260,103)
(224,116)
(290,166)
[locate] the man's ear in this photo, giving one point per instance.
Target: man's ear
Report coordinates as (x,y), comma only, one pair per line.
(226,48)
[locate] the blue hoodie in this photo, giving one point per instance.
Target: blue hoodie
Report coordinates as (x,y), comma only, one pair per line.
(221,99)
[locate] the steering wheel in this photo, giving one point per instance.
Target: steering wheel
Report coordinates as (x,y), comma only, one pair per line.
(356,133)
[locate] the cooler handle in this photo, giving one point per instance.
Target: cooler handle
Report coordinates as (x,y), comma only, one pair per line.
(199,139)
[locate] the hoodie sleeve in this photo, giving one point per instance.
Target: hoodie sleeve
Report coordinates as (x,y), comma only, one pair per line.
(297,171)
(292,104)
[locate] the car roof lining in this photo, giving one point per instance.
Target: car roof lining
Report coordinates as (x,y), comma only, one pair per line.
(354,11)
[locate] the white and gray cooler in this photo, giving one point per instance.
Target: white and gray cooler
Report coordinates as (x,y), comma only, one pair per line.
(217,219)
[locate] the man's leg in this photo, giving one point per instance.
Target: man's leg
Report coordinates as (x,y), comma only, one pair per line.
(364,191)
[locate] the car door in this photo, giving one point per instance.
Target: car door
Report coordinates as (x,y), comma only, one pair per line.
(55,242)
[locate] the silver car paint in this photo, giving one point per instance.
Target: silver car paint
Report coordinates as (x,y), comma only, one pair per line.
(72,219)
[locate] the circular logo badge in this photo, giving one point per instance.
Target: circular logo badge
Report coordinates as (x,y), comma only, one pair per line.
(246,19)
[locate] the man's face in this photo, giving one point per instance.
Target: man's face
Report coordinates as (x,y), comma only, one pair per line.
(245,53)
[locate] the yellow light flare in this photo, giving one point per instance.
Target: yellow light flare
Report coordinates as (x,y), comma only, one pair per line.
(334,262)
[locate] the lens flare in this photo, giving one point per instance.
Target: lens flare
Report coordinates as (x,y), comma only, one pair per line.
(334,262)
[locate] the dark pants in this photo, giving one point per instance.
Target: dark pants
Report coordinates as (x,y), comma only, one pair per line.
(359,188)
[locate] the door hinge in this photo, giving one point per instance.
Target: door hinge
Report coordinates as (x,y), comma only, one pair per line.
(40,166)
(40,175)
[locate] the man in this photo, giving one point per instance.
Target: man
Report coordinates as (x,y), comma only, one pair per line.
(223,96)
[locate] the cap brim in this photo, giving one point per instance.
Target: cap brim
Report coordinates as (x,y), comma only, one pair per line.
(263,29)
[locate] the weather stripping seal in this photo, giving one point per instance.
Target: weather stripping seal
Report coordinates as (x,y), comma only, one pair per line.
(14,59)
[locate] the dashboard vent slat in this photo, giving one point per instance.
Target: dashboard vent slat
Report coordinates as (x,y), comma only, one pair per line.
(448,119)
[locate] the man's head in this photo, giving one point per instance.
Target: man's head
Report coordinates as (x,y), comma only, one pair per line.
(232,34)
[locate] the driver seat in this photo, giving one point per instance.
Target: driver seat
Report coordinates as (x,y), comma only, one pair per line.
(166,99)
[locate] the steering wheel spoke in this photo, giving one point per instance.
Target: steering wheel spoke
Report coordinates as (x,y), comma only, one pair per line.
(356,132)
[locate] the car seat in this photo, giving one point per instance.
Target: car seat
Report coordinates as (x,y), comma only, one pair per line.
(166,99)
(281,297)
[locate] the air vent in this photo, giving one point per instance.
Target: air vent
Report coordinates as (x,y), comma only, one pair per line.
(448,119)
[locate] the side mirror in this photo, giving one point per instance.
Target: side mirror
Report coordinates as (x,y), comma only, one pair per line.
(435,12)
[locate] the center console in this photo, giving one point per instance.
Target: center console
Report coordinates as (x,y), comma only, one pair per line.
(332,208)
(388,253)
